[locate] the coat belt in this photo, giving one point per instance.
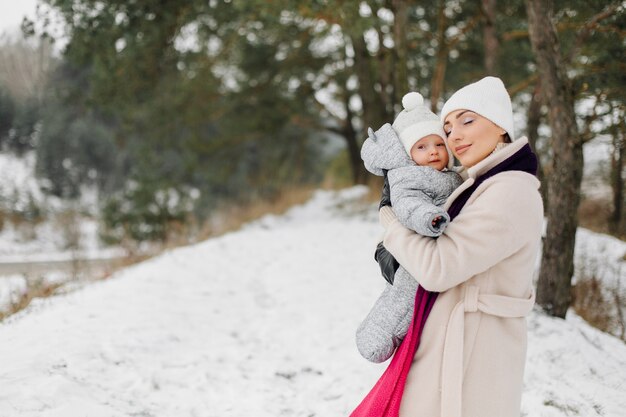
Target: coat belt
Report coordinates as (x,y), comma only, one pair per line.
(452,366)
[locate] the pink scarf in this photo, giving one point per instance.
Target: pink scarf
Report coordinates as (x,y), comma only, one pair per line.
(384,399)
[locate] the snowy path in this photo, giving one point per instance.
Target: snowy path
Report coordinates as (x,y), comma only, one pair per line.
(255,323)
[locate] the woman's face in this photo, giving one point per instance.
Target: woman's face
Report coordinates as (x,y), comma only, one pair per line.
(471,137)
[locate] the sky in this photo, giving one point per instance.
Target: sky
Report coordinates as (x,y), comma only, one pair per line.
(13,11)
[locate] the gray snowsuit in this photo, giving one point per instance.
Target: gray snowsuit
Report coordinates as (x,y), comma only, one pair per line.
(417,196)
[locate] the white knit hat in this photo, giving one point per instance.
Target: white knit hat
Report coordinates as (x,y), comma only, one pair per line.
(416,121)
(487,97)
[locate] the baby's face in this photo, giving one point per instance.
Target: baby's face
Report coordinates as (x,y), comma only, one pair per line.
(430,151)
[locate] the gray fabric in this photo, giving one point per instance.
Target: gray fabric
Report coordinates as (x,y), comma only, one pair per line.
(383,150)
(388,321)
(417,196)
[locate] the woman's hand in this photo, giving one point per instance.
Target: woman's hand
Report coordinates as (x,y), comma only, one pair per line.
(386,262)
(386,216)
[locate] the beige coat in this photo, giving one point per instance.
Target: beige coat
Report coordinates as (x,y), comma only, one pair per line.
(470,362)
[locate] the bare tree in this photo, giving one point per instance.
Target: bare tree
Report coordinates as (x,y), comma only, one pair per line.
(557,267)
(24,66)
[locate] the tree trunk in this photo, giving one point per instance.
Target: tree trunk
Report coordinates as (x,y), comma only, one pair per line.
(385,78)
(618,162)
(534,120)
(399,37)
(359,175)
(385,59)
(439,75)
(490,38)
(373,112)
(557,267)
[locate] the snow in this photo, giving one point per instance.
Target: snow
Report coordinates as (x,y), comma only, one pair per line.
(258,322)
(600,255)
(49,238)
(11,291)
(573,369)
(45,241)
(603,258)
(18,185)
(597,154)
(59,234)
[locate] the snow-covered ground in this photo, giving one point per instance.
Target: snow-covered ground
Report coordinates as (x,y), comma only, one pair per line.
(18,185)
(597,170)
(59,234)
(49,239)
(259,322)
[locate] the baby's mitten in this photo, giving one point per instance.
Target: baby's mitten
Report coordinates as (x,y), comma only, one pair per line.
(383,150)
(417,194)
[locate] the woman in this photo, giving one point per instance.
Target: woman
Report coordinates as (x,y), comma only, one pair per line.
(472,351)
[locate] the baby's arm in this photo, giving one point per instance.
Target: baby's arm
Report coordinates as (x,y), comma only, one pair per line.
(416,211)
(412,192)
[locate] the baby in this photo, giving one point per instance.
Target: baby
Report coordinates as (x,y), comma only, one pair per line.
(419,168)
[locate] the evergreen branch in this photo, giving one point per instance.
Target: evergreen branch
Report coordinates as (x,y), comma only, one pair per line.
(523,33)
(322,107)
(585,31)
(587,134)
(523,85)
(471,24)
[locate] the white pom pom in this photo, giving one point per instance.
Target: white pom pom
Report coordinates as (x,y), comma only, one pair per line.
(412,100)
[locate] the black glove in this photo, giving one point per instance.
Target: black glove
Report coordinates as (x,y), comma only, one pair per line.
(387,263)
(385,198)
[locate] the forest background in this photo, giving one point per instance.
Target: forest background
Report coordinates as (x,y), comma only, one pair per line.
(184,118)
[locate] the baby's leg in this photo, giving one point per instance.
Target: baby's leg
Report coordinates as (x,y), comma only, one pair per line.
(387,323)
(406,289)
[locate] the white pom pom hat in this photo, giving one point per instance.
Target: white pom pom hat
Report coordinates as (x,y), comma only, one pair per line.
(487,97)
(416,121)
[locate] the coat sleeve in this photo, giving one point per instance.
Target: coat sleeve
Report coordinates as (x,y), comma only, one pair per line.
(506,216)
